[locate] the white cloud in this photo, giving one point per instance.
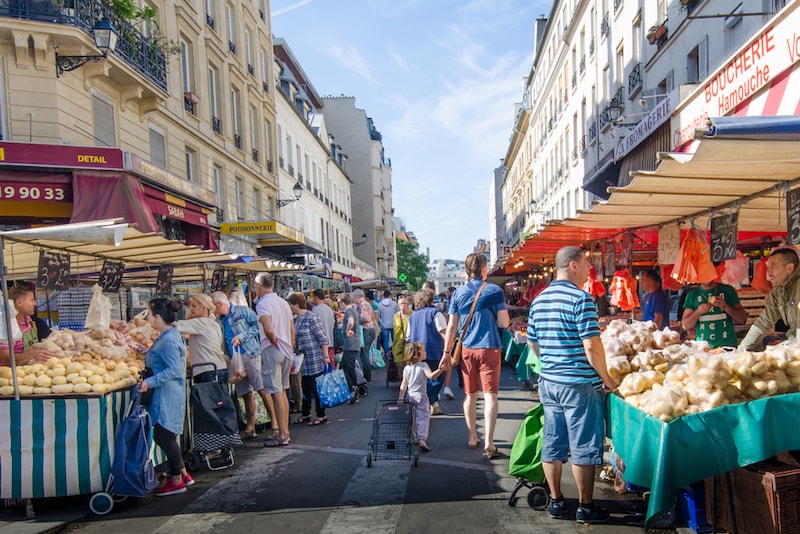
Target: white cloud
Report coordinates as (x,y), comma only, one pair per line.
(287,9)
(350,58)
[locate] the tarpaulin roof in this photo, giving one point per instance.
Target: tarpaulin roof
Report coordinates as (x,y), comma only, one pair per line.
(740,163)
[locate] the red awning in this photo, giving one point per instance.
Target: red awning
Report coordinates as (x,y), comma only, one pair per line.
(99,195)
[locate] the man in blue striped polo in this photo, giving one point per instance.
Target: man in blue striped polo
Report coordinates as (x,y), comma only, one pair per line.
(564,331)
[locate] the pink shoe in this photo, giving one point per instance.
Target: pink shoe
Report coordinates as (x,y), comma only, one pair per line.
(188,480)
(170,488)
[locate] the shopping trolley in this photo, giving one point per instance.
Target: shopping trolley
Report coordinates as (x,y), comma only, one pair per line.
(392,433)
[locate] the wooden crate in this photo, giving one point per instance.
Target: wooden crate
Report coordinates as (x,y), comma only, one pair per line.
(766,499)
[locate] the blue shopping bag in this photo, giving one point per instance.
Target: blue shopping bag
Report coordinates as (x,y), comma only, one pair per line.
(133,471)
(332,388)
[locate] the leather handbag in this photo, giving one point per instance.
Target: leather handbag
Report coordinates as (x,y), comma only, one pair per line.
(455,354)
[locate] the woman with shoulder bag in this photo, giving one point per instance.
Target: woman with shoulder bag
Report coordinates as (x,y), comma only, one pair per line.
(167,359)
(312,341)
(481,346)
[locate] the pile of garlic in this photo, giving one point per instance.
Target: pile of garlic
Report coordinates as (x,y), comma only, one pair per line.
(65,376)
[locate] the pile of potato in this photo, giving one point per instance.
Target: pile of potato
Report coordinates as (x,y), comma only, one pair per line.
(680,379)
(65,376)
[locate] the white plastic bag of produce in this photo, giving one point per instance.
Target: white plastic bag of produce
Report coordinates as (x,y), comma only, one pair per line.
(16,333)
(238,298)
(99,315)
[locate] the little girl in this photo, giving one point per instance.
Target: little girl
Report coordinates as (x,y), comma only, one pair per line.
(415,381)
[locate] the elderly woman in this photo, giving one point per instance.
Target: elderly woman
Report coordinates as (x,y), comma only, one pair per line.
(312,341)
(205,340)
(167,359)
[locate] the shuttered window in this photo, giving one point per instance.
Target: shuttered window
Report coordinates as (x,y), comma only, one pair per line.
(103,115)
(158,151)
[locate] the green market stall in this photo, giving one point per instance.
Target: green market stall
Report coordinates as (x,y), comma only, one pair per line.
(667,456)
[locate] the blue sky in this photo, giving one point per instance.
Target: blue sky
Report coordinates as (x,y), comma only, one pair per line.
(440,79)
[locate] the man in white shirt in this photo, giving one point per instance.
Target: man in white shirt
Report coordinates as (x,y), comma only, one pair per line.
(277,350)
(325,314)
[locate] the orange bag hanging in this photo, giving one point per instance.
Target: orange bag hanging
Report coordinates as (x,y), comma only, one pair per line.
(669,283)
(760,281)
(593,286)
(623,291)
(706,271)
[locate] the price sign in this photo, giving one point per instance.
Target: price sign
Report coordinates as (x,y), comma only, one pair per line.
(111,275)
(793,216)
(53,270)
(218,279)
(164,281)
(724,230)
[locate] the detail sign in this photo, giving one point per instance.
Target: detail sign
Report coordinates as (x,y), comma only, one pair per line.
(41,155)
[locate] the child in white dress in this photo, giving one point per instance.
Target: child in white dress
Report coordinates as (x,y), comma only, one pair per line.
(415,382)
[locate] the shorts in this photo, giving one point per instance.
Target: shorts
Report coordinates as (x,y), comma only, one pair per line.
(252,382)
(275,368)
(574,421)
(480,369)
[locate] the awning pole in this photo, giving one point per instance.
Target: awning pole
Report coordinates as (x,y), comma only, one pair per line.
(10,335)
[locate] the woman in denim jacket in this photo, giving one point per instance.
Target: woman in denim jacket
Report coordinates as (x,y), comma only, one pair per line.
(167,359)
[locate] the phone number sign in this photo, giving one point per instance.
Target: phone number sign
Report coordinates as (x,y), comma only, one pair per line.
(33,192)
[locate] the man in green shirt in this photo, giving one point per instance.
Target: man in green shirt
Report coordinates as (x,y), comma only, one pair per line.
(713,309)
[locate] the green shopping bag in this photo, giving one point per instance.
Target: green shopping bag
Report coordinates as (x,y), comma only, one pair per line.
(525,460)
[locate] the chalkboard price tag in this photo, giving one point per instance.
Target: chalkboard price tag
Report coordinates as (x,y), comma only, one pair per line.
(793,216)
(111,275)
(164,281)
(53,270)
(218,279)
(724,231)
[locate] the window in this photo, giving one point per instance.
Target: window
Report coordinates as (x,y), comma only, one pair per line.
(661,13)
(240,206)
(620,66)
(236,118)
(211,13)
(103,117)
(158,149)
(190,155)
(697,62)
(264,71)
(231,17)
(257,210)
(268,142)
(150,24)
(254,142)
(734,32)
(187,67)
(213,99)
(248,53)
(3,107)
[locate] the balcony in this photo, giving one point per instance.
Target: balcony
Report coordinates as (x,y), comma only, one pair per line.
(237,141)
(188,104)
(291,171)
(209,21)
(604,26)
(591,47)
(140,52)
(617,5)
(232,47)
(216,125)
(255,155)
(265,85)
(269,165)
(280,162)
(251,70)
(574,81)
(582,66)
(583,146)
(591,132)
(635,79)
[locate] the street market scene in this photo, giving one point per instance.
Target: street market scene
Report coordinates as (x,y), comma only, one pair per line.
(225,307)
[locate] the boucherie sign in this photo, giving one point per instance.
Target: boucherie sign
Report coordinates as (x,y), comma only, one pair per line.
(768,54)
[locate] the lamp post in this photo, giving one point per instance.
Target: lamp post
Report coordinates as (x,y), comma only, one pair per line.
(363,240)
(297,190)
(105,39)
(614,111)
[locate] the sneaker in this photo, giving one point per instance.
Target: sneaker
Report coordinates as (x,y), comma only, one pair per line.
(435,409)
(188,480)
(558,508)
(448,393)
(170,488)
(592,513)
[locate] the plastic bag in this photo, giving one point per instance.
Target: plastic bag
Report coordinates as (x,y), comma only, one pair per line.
(236,367)
(332,388)
(297,363)
(16,333)
(376,358)
(99,315)
(737,271)
(238,298)
(760,281)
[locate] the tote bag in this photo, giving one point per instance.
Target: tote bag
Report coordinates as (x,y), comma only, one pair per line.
(332,388)
(133,471)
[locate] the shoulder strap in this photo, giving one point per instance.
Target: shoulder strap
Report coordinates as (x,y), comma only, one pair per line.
(472,310)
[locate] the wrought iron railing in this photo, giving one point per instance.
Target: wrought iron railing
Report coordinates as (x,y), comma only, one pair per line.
(251,69)
(255,155)
(188,105)
(617,5)
(591,47)
(574,80)
(604,26)
(142,53)
(582,66)
(232,47)
(216,125)
(635,78)
(209,21)
(237,141)
(591,132)
(265,85)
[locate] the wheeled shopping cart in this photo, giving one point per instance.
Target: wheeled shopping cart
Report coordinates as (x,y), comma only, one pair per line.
(392,433)
(525,461)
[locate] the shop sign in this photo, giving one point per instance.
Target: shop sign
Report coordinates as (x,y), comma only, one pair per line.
(280,233)
(765,56)
(646,126)
(153,172)
(41,155)
(35,192)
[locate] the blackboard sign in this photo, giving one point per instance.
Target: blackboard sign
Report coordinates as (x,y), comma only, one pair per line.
(164,281)
(111,275)
(230,280)
(218,279)
(53,270)
(793,216)
(724,231)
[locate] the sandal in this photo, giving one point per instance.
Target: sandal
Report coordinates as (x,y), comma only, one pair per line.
(277,442)
(493,454)
(249,434)
(302,419)
(318,421)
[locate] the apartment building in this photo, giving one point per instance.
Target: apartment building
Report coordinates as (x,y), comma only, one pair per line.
(173,129)
(616,81)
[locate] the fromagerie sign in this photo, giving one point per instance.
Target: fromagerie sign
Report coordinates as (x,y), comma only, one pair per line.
(753,67)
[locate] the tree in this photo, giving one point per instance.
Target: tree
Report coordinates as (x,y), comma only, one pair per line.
(411,263)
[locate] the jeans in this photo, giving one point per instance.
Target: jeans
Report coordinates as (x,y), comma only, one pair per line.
(434,384)
(309,392)
(369,337)
(348,365)
(388,340)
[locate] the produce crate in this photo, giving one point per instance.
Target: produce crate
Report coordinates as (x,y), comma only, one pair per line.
(692,508)
(766,499)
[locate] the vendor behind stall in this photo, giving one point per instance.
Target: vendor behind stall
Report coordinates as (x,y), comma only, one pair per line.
(24,299)
(783,300)
(713,309)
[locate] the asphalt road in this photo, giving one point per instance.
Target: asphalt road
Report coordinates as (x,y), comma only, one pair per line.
(321,484)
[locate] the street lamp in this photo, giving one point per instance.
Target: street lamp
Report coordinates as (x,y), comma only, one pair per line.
(613,111)
(105,39)
(297,190)
(363,240)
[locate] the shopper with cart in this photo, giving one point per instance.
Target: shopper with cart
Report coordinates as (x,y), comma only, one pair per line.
(312,342)
(205,341)
(416,374)
(167,360)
